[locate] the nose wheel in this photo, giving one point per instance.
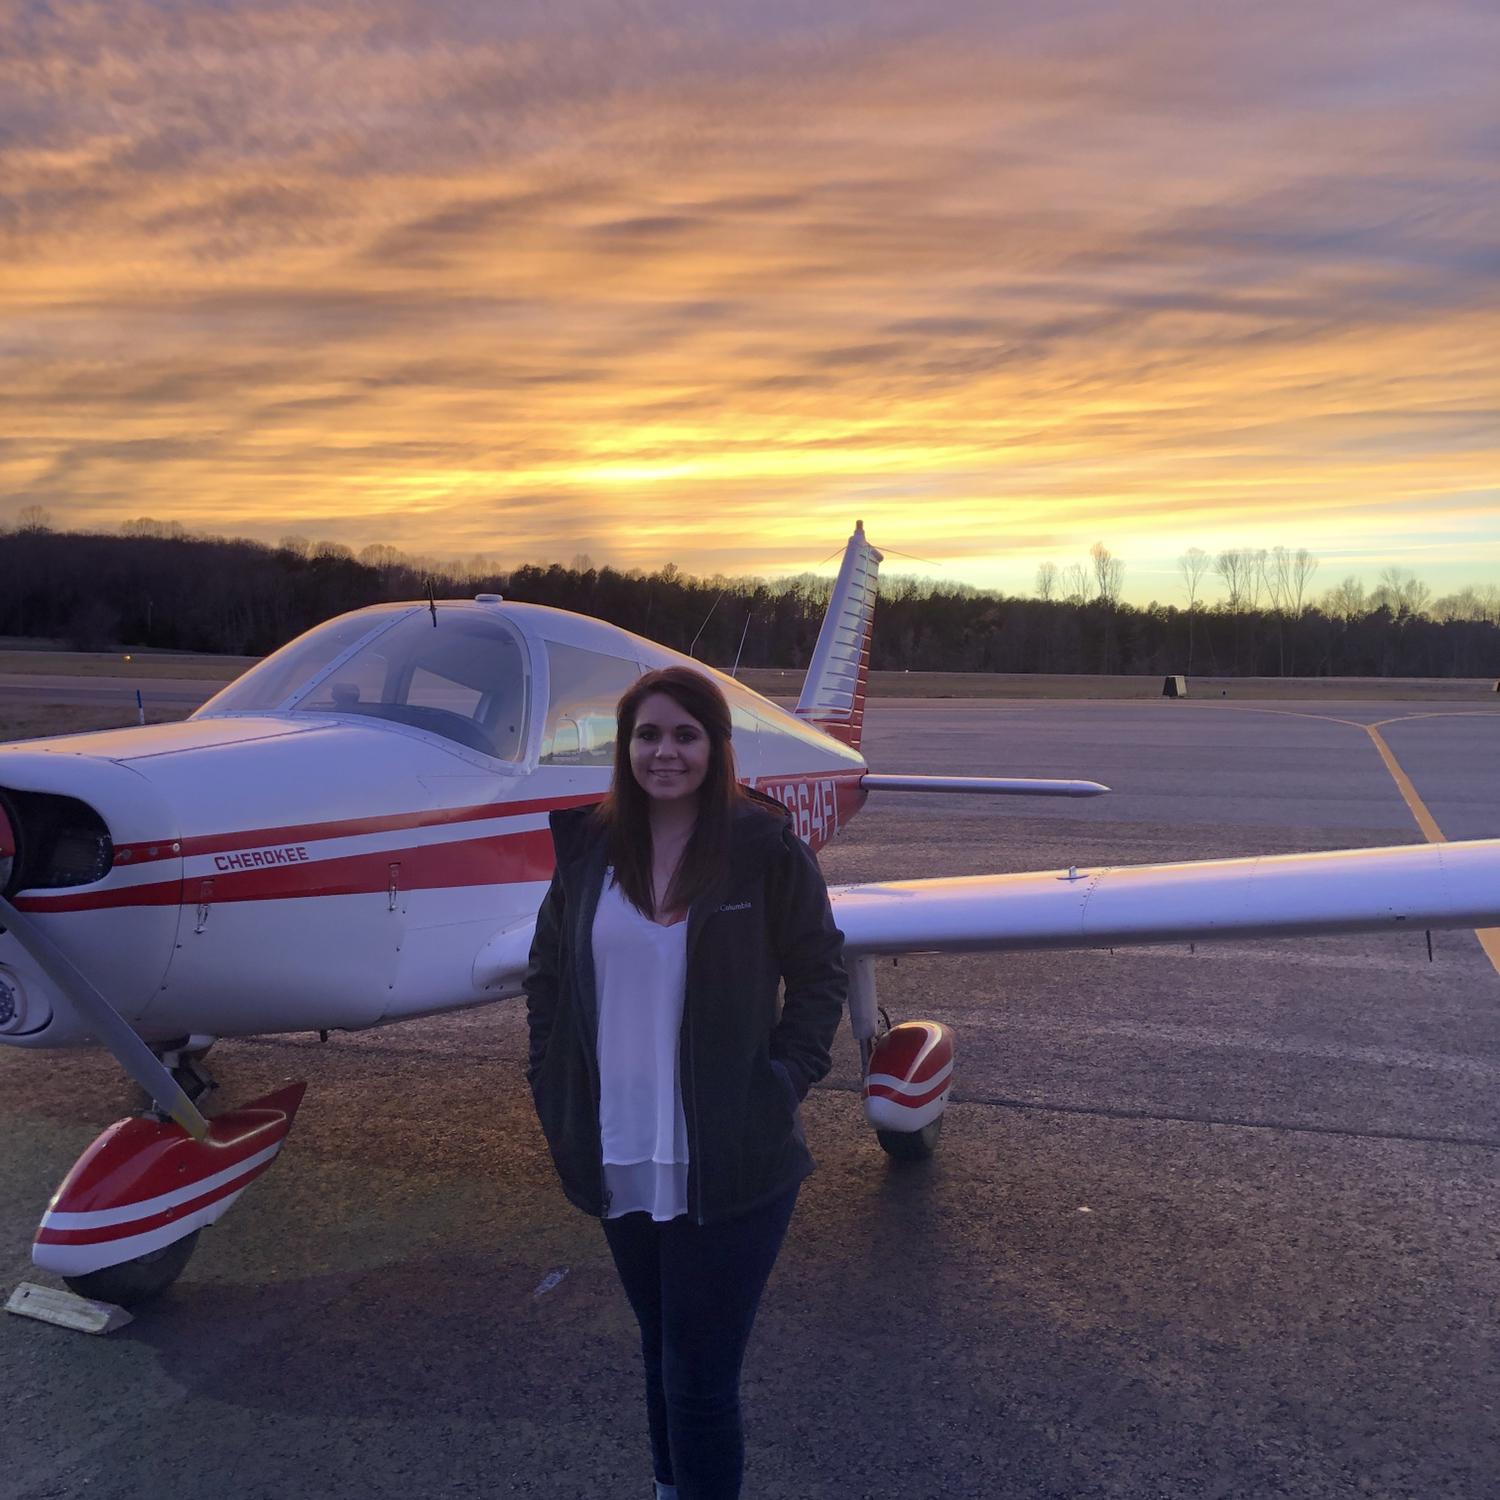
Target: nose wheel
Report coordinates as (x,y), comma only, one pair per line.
(137,1280)
(911,1145)
(125,1221)
(146,1276)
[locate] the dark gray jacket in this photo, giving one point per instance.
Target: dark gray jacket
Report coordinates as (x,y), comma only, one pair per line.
(745,1060)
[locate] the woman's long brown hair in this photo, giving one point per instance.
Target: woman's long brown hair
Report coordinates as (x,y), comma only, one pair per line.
(625,812)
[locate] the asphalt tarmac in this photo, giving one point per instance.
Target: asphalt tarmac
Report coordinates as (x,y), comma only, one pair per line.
(68,688)
(1213,1223)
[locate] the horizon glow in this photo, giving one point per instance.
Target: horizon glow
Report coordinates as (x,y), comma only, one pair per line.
(704,283)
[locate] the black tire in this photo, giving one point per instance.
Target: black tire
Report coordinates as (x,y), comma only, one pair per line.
(911,1145)
(134,1281)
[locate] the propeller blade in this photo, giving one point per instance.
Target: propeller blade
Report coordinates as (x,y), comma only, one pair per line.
(107,1024)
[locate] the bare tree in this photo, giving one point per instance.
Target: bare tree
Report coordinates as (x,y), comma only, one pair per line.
(1401,592)
(1279,568)
(1276,565)
(1256,571)
(1109,573)
(1046,580)
(150,526)
(1075,582)
(1192,565)
(1231,566)
(1346,599)
(1303,566)
(34,518)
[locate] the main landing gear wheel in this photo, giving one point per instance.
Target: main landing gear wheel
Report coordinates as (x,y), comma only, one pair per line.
(911,1145)
(134,1281)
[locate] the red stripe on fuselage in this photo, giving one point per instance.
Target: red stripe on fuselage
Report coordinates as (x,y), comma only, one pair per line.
(439,817)
(500,859)
(505,858)
(300,833)
(158,893)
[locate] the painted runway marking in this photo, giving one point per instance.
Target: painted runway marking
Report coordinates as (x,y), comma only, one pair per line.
(1489,937)
(1418,809)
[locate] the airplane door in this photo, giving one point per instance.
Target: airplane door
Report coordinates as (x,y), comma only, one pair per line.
(578,734)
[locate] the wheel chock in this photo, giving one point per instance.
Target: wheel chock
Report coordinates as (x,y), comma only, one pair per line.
(63,1309)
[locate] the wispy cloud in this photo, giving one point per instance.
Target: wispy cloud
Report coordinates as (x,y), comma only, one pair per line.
(696,281)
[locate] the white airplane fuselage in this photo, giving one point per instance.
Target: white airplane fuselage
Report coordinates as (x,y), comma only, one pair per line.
(309,864)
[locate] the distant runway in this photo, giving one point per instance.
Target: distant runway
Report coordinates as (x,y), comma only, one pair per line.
(1212,1223)
(163,692)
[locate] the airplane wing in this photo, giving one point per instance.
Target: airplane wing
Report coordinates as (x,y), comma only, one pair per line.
(1353,890)
(1412,887)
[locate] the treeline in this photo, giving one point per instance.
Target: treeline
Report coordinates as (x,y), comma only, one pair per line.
(201,594)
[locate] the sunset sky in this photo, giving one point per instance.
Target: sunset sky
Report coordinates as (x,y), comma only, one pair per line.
(705,282)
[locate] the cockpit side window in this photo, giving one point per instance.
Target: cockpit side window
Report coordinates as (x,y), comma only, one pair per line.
(584,688)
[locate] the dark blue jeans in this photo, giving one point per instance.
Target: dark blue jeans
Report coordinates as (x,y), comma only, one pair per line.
(694,1290)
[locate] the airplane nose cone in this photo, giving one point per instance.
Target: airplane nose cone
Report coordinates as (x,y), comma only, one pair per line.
(20,1012)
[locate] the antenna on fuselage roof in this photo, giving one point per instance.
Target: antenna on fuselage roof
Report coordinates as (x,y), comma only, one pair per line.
(432,602)
(704,626)
(734,671)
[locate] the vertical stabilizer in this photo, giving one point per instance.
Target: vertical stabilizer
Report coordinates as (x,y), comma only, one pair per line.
(833,697)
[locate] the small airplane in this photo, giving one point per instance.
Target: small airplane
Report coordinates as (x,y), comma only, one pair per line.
(354,833)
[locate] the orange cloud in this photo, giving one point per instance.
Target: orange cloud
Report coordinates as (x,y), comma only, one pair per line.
(706,287)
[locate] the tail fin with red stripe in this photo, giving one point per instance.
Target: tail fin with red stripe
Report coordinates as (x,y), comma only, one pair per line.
(833,697)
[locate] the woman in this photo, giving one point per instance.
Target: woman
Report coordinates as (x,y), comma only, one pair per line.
(666,1077)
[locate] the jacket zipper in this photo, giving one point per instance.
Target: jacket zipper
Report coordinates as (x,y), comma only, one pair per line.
(695,1153)
(584,949)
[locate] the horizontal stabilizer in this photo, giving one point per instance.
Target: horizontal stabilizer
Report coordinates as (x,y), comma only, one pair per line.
(995,786)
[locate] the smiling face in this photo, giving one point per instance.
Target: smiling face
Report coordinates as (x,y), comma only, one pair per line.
(669,750)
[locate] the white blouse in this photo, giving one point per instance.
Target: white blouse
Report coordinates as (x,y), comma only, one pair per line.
(640,970)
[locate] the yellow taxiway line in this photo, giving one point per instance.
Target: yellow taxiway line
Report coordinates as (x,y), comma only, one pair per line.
(1489,937)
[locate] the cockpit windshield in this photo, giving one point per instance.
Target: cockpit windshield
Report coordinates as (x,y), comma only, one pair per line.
(464,678)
